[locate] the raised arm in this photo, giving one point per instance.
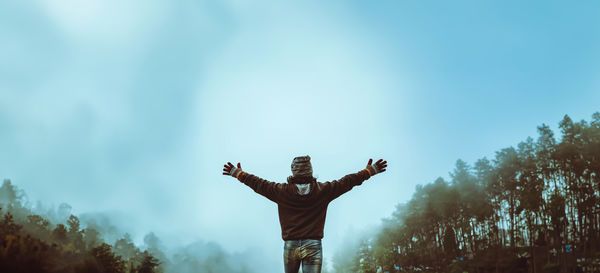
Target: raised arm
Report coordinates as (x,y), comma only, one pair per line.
(263,187)
(346,183)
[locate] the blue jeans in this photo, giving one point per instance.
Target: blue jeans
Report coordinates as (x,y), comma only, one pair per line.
(309,252)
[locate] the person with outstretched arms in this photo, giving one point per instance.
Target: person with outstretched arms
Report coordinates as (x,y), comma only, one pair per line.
(302,205)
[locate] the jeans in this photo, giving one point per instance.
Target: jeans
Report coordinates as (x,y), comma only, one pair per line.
(309,252)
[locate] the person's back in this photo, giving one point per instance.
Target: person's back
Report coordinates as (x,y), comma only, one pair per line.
(302,206)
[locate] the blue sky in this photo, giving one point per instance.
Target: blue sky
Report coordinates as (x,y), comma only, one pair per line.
(132,107)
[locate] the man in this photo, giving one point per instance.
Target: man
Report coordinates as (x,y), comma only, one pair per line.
(302,205)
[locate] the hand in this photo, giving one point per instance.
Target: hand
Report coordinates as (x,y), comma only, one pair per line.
(376,168)
(229,169)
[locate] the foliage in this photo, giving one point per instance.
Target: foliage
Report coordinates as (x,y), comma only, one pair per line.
(60,242)
(534,208)
(31,244)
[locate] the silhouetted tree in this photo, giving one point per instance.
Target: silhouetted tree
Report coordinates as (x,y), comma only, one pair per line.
(107,260)
(149,264)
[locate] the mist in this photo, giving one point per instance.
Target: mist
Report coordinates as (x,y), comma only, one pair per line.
(62,231)
(123,114)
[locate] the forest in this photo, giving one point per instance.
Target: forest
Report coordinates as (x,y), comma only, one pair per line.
(49,241)
(533,208)
(30,243)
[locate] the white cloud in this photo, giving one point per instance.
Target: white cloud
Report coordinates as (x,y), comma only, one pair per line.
(105,22)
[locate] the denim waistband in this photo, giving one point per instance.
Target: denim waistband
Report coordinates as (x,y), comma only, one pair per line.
(302,242)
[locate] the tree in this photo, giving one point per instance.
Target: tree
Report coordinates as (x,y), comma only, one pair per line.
(75,235)
(38,225)
(10,195)
(91,238)
(59,234)
(8,225)
(366,260)
(107,260)
(149,264)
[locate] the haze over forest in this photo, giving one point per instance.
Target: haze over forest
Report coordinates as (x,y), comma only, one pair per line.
(127,110)
(529,209)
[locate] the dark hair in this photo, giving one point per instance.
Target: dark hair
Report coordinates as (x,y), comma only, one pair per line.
(301,179)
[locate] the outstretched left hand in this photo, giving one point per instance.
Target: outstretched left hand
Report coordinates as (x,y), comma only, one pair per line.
(376,168)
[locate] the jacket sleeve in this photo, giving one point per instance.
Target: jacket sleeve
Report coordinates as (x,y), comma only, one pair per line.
(268,189)
(336,188)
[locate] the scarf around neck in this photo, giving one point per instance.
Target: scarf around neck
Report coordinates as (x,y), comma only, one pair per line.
(303,189)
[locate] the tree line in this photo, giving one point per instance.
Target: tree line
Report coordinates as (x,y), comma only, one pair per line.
(533,208)
(29,242)
(35,240)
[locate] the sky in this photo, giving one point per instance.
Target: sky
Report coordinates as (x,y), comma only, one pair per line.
(131,108)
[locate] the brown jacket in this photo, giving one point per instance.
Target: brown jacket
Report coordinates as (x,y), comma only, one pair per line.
(303,216)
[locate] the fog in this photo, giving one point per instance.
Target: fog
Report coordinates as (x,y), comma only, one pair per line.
(127,111)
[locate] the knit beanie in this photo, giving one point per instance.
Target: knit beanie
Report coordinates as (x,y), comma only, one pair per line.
(301,166)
